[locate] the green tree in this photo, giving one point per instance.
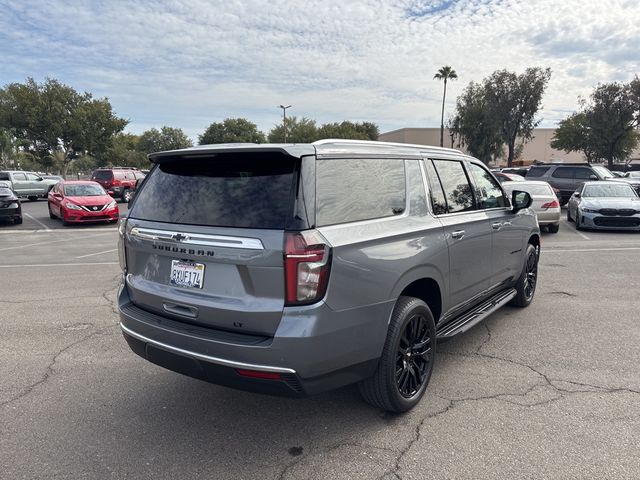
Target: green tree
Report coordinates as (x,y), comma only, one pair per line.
(232,130)
(298,131)
(445,73)
(475,126)
(123,152)
(514,101)
(572,135)
(606,127)
(53,120)
(349,130)
(167,138)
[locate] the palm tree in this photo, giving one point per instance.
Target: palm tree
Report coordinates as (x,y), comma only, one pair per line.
(445,73)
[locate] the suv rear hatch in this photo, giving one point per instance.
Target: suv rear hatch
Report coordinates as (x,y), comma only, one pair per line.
(205,236)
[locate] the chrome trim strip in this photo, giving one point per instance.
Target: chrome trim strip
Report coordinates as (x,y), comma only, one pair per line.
(200,239)
(207,358)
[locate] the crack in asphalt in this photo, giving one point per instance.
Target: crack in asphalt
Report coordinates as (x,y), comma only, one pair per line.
(49,370)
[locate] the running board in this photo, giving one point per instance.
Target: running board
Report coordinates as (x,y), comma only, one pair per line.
(475,316)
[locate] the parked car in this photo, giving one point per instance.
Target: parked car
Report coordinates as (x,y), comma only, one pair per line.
(10,208)
(607,205)
(545,203)
(633,179)
(522,171)
(78,201)
(508,177)
(27,184)
(567,177)
(120,182)
(294,269)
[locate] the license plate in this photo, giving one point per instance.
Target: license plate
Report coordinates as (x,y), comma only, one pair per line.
(186,274)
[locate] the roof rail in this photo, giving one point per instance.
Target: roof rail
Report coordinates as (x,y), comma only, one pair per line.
(117,168)
(329,141)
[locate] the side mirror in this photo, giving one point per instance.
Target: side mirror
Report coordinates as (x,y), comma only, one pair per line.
(576,194)
(520,200)
(39,179)
(593,177)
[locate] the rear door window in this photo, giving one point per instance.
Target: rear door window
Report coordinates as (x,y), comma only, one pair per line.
(537,171)
(103,175)
(350,190)
(248,191)
(456,185)
(21,177)
(564,172)
(438,200)
(583,173)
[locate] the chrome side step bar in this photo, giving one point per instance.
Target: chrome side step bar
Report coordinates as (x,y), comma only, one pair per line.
(475,316)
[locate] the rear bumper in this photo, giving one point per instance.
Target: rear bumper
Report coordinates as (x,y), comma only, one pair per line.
(314,349)
(550,216)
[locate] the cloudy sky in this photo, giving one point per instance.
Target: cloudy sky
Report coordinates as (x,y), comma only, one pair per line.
(187,63)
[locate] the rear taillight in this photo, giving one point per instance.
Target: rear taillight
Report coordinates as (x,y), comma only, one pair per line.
(553,204)
(122,254)
(307,260)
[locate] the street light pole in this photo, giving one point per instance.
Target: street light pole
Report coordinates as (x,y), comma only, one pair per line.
(284,120)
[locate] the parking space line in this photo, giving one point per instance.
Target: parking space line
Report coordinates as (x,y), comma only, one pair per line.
(582,235)
(59,264)
(614,249)
(97,253)
(37,221)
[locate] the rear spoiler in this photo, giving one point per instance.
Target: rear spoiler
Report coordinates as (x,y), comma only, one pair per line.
(209,151)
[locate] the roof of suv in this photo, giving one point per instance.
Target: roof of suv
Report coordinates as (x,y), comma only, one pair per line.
(329,147)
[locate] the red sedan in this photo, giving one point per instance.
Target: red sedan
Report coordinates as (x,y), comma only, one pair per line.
(82,202)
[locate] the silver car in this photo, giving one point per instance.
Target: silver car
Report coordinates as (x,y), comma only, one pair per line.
(608,205)
(294,269)
(545,202)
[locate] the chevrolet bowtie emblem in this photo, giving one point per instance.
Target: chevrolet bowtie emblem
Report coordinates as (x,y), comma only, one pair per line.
(178,237)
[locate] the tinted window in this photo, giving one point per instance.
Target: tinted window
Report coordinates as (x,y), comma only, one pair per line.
(417,195)
(350,190)
(537,171)
(455,185)
(103,175)
(488,192)
(438,201)
(563,172)
(227,191)
(583,173)
(4,176)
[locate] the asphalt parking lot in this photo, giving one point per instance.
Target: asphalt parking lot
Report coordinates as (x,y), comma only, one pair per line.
(551,391)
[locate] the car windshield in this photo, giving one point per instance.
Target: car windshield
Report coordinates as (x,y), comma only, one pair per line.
(608,191)
(603,171)
(83,190)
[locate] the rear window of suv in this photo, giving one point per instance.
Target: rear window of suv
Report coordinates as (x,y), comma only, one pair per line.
(103,175)
(249,191)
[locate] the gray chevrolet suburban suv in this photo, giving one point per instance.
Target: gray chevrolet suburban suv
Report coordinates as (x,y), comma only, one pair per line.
(294,269)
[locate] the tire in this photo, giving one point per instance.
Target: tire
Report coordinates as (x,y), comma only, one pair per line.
(64,222)
(33,198)
(569,219)
(553,228)
(51,215)
(407,359)
(526,286)
(126,195)
(17,220)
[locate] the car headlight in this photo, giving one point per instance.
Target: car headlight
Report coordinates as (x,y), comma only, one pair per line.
(111,205)
(72,206)
(13,205)
(589,210)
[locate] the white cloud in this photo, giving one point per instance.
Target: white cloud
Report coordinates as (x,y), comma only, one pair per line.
(187,63)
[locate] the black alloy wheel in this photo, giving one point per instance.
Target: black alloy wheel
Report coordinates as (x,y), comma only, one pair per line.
(413,358)
(404,368)
(526,284)
(531,276)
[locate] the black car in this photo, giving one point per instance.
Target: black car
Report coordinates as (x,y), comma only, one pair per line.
(10,208)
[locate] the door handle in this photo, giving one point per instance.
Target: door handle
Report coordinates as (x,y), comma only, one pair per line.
(496,226)
(457,234)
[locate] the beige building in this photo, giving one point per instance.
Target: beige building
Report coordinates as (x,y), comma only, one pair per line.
(538,148)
